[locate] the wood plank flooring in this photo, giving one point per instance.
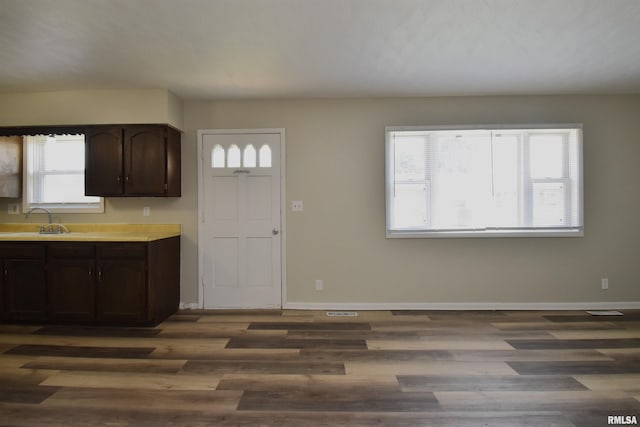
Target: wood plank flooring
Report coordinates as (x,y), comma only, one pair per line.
(302,368)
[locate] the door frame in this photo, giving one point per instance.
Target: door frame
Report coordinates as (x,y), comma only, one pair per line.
(283,204)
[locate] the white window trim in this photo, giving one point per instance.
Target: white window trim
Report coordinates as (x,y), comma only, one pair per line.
(52,207)
(485,232)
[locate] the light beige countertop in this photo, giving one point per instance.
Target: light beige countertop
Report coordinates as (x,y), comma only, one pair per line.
(28,232)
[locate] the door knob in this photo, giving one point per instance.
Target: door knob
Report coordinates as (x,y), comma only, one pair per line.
(275,231)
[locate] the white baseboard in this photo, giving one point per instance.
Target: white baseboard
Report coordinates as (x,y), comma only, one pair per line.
(341,306)
(355,306)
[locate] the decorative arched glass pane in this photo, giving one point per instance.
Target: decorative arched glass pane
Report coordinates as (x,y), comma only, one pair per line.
(265,156)
(249,160)
(233,159)
(217,157)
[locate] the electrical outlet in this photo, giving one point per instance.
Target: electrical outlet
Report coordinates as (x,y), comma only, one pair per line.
(13,209)
(604,283)
(319,285)
(146,211)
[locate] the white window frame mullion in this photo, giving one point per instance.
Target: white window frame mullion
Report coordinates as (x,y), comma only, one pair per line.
(36,151)
(527,181)
(428,177)
(521,179)
(390,180)
(566,174)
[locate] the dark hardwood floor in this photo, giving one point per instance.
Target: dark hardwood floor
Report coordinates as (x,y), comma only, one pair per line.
(302,368)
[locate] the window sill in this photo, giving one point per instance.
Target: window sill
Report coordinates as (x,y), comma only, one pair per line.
(491,233)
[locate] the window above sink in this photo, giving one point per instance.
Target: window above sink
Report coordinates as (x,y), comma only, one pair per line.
(54,168)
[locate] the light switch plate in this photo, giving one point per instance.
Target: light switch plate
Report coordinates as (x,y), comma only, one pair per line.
(297,205)
(13,209)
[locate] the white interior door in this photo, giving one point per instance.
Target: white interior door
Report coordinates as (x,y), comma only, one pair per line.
(241,220)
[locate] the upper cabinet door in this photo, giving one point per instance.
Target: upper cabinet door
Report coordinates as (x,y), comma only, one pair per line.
(104,161)
(145,161)
(132,160)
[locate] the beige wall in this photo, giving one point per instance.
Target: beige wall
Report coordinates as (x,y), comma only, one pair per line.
(91,107)
(335,164)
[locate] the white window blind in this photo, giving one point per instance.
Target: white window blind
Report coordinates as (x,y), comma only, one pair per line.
(54,174)
(489,181)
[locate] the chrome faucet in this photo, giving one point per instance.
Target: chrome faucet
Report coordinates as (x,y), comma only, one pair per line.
(50,228)
(50,221)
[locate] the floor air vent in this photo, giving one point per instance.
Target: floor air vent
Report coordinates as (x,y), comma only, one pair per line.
(605,313)
(342,313)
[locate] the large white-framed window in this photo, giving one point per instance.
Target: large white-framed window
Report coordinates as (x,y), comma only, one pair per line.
(491,181)
(54,175)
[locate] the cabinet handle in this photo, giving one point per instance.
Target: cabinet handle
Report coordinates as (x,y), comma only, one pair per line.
(126,178)
(118,179)
(100,274)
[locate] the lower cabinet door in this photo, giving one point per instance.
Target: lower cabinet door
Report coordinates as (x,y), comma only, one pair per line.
(25,289)
(121,290)
(71,289)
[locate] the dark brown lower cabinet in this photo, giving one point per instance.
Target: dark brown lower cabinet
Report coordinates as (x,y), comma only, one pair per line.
(25,293)
(23,281)
(70,281)
(122,290)
(122,282)
(86,282)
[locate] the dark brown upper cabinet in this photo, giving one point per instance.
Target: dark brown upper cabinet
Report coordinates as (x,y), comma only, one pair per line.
(132,160)
(10,166)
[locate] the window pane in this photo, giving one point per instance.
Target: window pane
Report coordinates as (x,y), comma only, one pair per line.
(233,160)
(505,182)
(410,206)
(64,153)
(548,204)
(249,157)
(265,156)
(65,189)
(410,157)
(546,157)
(462,182)
(217,157)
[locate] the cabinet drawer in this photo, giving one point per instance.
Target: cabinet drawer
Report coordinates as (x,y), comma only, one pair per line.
(123,250)
(71,250)
(21,250)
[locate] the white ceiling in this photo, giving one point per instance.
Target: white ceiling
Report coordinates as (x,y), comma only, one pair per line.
(322,48)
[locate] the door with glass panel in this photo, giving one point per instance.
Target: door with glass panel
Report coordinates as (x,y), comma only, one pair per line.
(240,220)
